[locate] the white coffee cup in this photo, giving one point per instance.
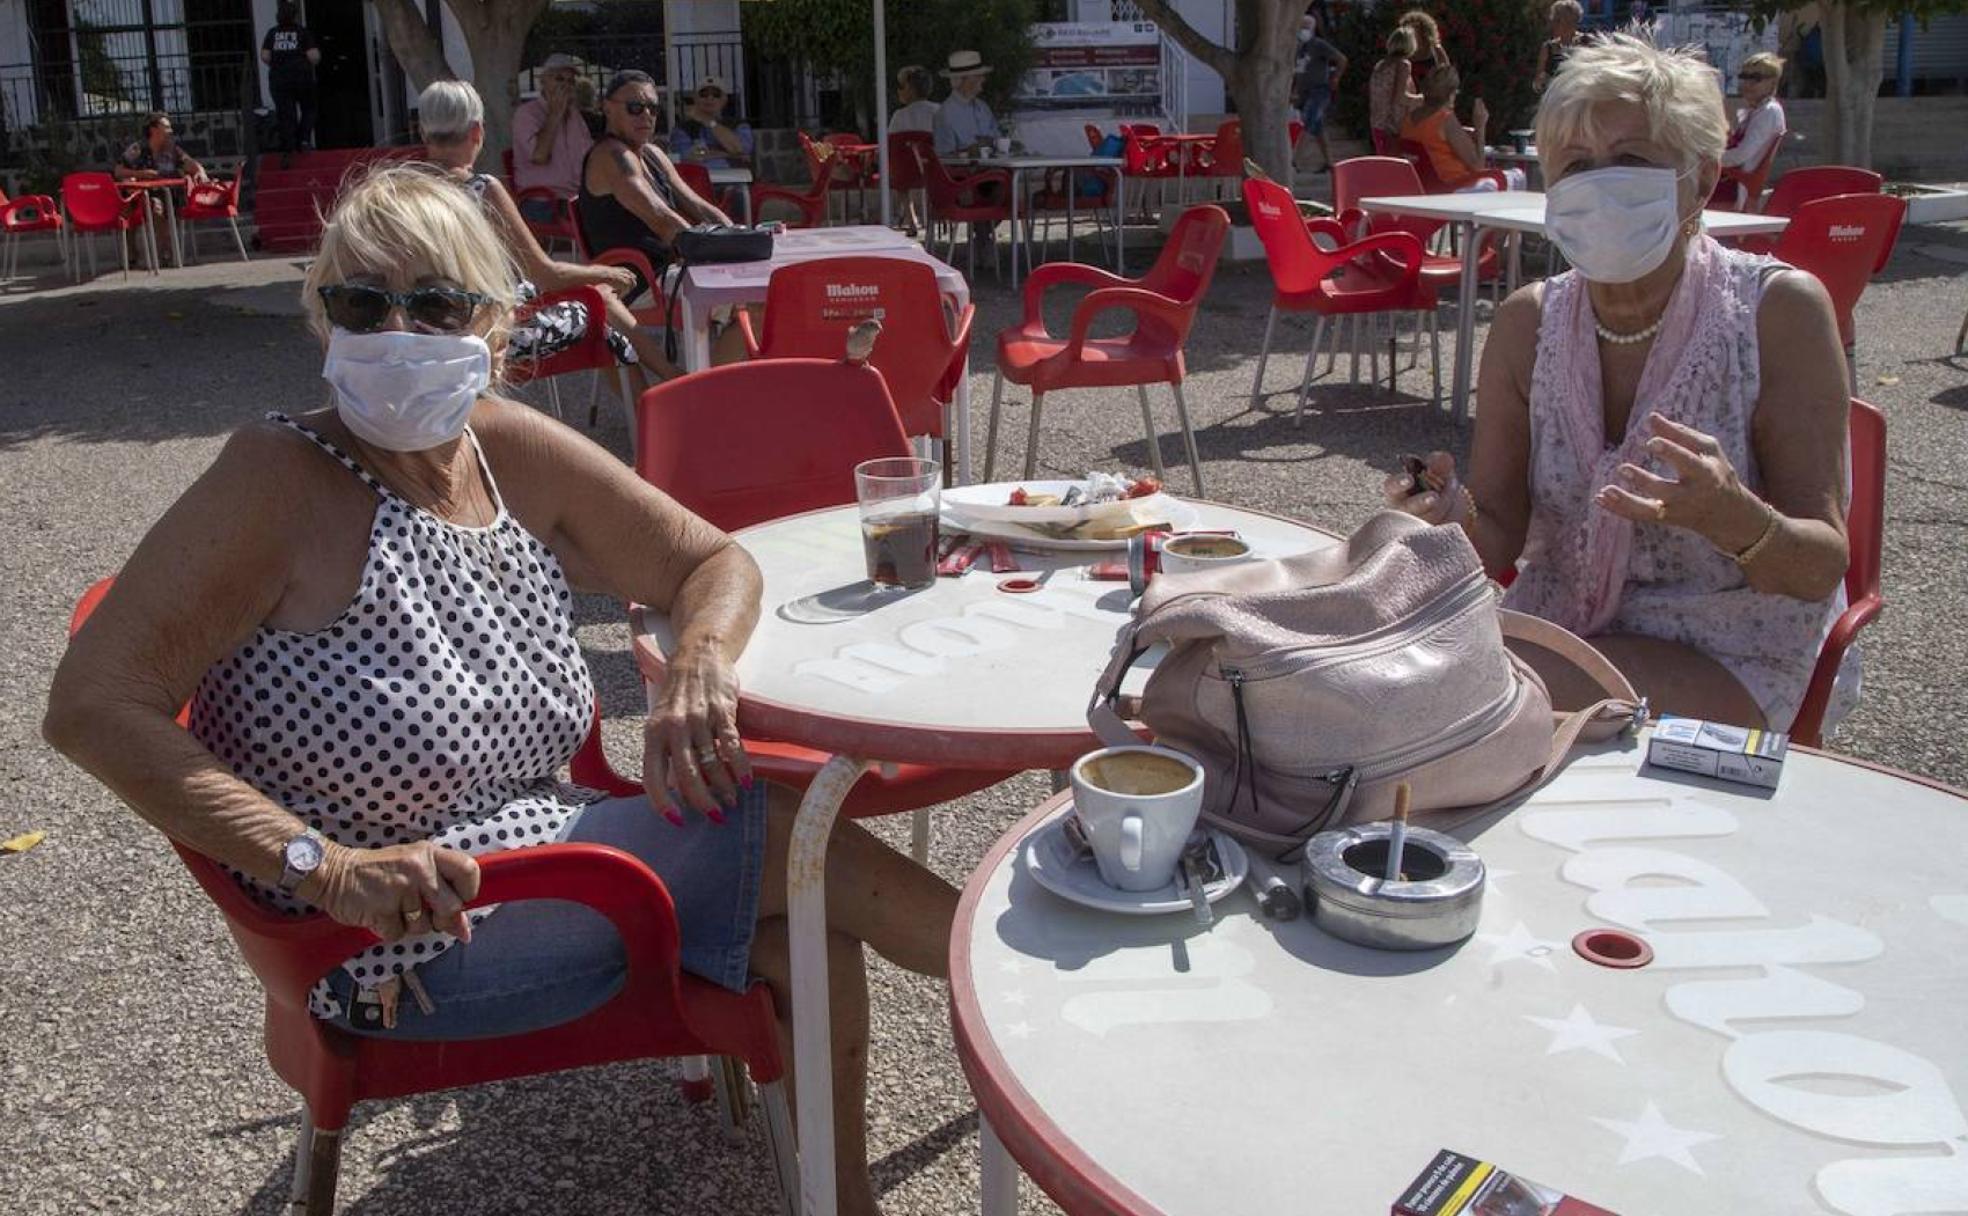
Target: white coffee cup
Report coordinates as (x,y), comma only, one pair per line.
(1188,552)
(1138,805)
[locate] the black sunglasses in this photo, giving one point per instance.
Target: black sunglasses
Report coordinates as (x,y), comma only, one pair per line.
(709,93)
(1741,76)
(637,109)
(362,309)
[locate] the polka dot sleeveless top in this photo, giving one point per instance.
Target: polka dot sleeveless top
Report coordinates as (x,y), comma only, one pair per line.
(439,705)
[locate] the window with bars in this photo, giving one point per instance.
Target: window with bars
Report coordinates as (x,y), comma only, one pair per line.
(102,57)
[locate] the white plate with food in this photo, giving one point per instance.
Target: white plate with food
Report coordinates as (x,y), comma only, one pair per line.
(1092,537)
(1053,503)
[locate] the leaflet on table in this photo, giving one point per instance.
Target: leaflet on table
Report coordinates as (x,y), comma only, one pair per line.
(1458,1185)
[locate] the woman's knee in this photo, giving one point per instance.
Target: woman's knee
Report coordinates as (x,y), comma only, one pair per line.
(1678,678)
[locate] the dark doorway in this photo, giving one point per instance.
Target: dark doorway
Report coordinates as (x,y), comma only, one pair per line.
(342,80)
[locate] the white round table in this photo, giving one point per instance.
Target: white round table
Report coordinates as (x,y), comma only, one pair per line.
(1799,1043)
(960,674)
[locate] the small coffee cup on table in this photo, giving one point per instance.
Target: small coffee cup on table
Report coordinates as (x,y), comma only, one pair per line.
(1188,552)
(1138,805)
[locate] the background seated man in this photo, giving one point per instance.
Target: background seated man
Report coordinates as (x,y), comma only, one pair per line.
(550,138)
(701,134)
(157,154)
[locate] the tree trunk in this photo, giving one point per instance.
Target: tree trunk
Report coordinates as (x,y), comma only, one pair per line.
(1853,42)
(1257,74)
(1261,87)
(413,44)
(495,33)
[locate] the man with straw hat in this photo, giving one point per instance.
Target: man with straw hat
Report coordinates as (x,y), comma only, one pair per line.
(964,123)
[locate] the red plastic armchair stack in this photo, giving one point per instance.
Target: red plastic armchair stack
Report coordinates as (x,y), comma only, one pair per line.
(22,217)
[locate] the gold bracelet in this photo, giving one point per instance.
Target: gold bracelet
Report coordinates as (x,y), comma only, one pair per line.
(1471,512)
(1772,518)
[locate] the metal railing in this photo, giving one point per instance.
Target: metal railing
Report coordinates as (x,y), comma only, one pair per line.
(1175,84)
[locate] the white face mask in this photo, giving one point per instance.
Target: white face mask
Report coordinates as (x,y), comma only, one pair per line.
(1304,34)
(406,392)
(1615,225)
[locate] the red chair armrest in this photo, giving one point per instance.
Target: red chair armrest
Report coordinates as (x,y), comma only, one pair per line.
(654,313)
(1138,300)
(744,320)
(610,881)
(1056,274)
(1808,727)
(215,195)
(556,200)
(1402,249)
(1338,231)
(960,333)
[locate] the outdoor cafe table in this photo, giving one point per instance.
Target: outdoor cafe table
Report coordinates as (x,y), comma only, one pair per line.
(1070,165)
(1797,1045)
(960,674)
(1515,211)
(144,186)
(705,289)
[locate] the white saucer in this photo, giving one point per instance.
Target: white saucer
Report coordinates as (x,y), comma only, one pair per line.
(1054,866)
(1181,517)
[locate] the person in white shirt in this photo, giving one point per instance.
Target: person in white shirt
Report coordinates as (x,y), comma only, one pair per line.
(1760,119)
(913,85)
(964,122)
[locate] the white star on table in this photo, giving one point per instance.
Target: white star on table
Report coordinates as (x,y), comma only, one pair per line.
(1010,966)
(1019,1030)
(1013,996)
(1493,874)
(1578,1032)
(1652,1136)
(1519,943)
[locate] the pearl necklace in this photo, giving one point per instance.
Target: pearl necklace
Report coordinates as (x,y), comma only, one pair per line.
(1620,339)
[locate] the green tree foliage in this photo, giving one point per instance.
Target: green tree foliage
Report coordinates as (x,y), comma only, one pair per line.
(1493,44)
(839,36)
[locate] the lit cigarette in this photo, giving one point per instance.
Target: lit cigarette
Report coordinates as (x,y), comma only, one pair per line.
(1397,841)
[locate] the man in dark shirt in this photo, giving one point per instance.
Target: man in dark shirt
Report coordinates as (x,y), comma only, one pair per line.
(290,53)
(1319,66)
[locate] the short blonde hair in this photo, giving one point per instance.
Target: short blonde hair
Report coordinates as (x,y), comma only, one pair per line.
(1571,7)
(1765,59)
(1675,86)
(447,109)
(1401,43)
(407,214)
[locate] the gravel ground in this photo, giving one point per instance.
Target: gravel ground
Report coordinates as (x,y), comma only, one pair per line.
(131,1074)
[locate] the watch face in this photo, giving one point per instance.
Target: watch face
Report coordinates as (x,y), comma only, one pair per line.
(304,853)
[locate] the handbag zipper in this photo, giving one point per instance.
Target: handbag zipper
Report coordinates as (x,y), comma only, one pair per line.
(1391,636)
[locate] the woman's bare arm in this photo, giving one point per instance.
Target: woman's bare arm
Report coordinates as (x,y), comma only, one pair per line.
(546,273)
(625,176)
(693,204)
(1499,477)
(1799,435)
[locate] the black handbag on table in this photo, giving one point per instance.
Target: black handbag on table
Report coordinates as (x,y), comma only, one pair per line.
(708,245)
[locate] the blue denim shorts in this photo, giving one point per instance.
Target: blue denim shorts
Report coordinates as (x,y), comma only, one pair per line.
(537,963)
(1313,110)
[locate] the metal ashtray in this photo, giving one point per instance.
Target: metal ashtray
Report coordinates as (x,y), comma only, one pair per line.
(1436,903)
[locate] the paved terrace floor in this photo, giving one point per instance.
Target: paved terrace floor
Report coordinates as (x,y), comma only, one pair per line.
(131,1076)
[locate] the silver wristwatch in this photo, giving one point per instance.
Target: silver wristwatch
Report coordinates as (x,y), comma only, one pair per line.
(302,857)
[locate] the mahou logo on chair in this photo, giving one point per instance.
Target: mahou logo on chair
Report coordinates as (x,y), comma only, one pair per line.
(1455,1185)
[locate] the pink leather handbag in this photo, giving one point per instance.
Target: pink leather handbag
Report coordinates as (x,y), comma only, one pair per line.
(1311,686)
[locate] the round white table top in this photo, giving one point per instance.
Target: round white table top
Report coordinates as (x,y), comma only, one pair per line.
(1452,206)
(960,673)
(1799,1043)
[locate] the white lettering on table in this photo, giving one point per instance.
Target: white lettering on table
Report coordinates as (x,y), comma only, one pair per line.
(921,648)
(1887,1098)
(1213,989)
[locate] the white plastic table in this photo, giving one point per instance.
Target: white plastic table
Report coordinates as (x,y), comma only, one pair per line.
(1515,211)
(705,289)
(960,674)
(1797,1045)
(1021,165)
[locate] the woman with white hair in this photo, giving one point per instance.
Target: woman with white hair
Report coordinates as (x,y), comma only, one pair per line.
(1565,18)
(1660,432)
(453,120)
(370,610)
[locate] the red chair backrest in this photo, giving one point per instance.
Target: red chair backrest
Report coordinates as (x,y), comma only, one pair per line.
(1187,264)
(904,166)
(92,199)
(1865,515)
(1370,176)
(1297,265)
(1417,155)
(698,178)
(1227,153)
(1749,182)
(1842,240)
(748,442)
(1813,182)
(809,307)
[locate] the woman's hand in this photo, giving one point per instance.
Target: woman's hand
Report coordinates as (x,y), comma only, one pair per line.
(691,748)
(1440,492)
(619,279)
(1706,497)
(397,891)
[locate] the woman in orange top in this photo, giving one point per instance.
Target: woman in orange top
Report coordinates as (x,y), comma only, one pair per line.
(1454,155)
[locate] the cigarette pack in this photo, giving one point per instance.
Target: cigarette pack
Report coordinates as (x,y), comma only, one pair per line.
(1716,749)
(1458,1185)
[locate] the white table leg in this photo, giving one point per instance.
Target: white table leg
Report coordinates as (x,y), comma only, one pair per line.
(806,917)
(696,337)
(1072,188)
(1120,222)
(1017,235)
(1465,322)
(999,1184)
(960,406)
(171,226)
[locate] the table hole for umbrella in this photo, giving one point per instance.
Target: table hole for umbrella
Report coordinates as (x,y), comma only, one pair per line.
(1613,948)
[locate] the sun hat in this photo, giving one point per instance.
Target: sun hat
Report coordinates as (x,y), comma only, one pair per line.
(558,60)
(713,82)
(965,63)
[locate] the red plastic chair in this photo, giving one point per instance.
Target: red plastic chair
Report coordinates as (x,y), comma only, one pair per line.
(23,216)
(1163,303)
(1431,182)
(211,200)
(1382,274)
(1740,189)
(654,311)
(560,227)
(1843,240)
(698,178)
(983,197)
(661,1012)
(1808,184)
(591,353)
(1865,536)
(810,206)
(803,425)
(92,203)
(921,352)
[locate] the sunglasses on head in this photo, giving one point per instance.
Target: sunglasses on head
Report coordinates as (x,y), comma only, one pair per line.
(637,109)
(362,309)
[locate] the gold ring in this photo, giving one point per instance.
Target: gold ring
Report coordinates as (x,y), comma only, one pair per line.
(413,914)
(1660,509)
